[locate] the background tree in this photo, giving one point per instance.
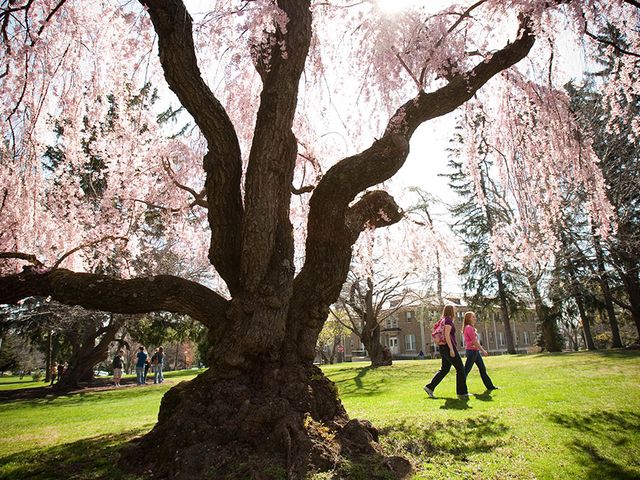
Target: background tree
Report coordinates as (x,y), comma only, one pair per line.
(331,338)
(367,303)
(476,216)
(438,251)
(64,334)
(616,258)
(267,102)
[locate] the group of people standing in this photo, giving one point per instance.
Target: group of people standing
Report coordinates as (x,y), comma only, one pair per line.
(57,371)
(451,358)
(144,362)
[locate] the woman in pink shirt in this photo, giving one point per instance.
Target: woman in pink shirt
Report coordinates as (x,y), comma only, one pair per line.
(473,349)
(450,357)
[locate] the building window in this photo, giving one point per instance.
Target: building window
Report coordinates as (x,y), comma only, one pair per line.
(525,337)
(500,339)
(392,322)
(410,342)
(409,317)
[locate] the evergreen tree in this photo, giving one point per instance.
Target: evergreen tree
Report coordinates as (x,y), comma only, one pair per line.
(617,258)
(474,221)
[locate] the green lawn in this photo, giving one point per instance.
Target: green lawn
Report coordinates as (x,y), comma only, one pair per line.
(565,416)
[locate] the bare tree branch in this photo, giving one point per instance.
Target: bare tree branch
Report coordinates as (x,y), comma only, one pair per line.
(615,46)
(22,256)
(87,245)
(199,197)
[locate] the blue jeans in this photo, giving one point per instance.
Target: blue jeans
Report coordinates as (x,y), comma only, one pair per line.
(158,377)
(474,357)
(447,363)
(140,375)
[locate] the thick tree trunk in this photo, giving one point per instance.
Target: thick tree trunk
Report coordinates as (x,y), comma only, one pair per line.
(49,362)
(379,355)
(272,421)
(632,287)
(546,323)
(606,293)
(92,349)
(504,314)
(586,324)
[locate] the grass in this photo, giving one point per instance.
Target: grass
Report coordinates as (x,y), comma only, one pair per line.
(563,416)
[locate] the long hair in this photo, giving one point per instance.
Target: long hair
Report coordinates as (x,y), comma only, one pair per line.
(467,318)
(449,311)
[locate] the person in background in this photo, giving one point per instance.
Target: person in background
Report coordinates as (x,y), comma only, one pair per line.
(154,362)
(141,361)
(450,358)
(158,366)
(61,369)
(474,349)
(118,365)
(53,372)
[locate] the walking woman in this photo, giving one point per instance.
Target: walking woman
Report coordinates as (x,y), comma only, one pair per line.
(473,348)
(450,357)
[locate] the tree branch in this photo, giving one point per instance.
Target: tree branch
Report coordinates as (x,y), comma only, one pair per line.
(615,46)
(222,163)
(22,256)
(274,148)
(376,209)
(461,87)
(86,245)
(331,225)
(302,190)
(101,292)
(199,197)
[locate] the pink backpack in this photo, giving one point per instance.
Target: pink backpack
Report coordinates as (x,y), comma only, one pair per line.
(438,332)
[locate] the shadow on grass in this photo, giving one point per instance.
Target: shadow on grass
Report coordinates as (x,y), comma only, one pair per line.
(361,374)
(356,384)
(82,397)
(458,438)
(92,458)
(484,396)
(455,404)
(598,434)
(375,384)
(46,393)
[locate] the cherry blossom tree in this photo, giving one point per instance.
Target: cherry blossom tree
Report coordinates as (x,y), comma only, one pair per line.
(274,89)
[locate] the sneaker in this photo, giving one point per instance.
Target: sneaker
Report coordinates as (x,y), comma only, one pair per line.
(429,391)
